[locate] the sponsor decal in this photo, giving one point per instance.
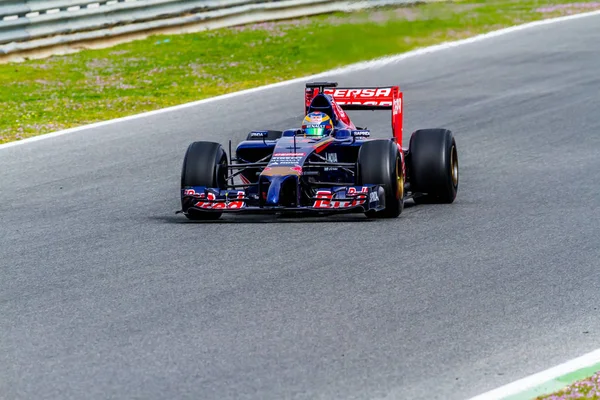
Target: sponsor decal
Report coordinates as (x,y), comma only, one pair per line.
(361,134)
(373,196)
(208,204)
(331,157)
(360,93)
(397,106)
(258,134)
(286,158)
(325,198)
(191,192)
(383,103)
(289,154)
(238,203)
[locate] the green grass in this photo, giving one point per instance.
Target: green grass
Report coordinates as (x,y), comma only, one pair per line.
(577,388)
(41,96)
(585,389)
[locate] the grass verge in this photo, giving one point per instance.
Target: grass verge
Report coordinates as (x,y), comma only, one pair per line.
(588,388)
(41,96)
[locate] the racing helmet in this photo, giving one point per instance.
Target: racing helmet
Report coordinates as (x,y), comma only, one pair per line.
(317,124)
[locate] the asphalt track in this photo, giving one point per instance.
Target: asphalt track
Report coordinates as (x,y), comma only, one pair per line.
(105,293)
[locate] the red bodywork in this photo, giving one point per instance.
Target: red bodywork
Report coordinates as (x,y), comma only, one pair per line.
(369,98)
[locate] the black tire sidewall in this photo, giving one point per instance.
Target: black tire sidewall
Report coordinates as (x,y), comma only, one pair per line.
(430,165)
(204,164)
(378,163)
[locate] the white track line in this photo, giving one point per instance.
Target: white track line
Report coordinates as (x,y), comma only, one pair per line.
(534,380)
(350,68)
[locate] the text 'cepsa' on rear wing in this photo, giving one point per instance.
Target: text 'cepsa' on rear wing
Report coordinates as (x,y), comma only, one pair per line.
(362,98)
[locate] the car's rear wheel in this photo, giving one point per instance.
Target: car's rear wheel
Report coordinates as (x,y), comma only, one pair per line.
(433,166)
(380,163)
(205,164)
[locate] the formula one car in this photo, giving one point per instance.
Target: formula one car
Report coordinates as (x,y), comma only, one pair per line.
(327,166)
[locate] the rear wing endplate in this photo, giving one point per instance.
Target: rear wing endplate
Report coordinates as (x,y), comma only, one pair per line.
(362,98)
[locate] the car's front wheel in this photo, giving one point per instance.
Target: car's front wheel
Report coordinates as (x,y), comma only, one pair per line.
(380,163)
(205,164)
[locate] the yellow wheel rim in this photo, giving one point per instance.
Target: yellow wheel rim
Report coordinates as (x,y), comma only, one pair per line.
(454,166)
(400,179)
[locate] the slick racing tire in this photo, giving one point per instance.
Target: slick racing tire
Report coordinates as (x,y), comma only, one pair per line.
(205,164)
(433,166)
(379,162)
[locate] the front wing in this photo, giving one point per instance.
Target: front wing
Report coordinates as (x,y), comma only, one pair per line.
(336,199)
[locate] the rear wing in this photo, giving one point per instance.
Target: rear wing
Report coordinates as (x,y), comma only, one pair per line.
(365,98)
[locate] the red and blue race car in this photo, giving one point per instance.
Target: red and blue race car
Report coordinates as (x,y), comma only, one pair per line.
(326,166)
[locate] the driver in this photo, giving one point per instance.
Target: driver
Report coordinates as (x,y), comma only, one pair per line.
(317,124)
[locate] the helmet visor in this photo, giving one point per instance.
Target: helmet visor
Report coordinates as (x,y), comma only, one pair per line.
(314,130)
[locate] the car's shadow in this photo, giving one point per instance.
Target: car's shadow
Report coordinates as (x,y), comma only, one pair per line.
(272,219)
(263,219)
